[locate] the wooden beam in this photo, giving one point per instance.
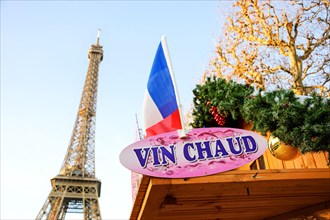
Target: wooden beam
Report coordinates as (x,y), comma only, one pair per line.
(140,197)
(258,175)
(154,197)
(313,212)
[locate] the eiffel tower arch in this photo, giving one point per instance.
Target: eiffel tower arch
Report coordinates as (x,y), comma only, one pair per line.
(75,189)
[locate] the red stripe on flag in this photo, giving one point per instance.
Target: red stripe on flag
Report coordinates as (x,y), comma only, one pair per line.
(170,123)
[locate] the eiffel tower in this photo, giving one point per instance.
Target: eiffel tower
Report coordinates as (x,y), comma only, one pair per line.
(75,189)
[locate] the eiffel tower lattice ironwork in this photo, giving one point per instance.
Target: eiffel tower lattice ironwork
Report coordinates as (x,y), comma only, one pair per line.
(75,189)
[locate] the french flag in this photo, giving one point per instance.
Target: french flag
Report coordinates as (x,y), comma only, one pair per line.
(160,109)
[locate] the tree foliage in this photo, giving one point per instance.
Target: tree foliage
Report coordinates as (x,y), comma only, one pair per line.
(276,44)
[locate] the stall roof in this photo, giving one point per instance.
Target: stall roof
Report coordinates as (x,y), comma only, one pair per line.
(237,194)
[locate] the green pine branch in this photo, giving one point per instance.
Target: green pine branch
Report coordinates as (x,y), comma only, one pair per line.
(302,124)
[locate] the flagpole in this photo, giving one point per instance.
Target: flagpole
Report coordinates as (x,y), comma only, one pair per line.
(182,133)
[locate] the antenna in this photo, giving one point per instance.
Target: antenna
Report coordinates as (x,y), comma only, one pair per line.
(139,130)
(98,36)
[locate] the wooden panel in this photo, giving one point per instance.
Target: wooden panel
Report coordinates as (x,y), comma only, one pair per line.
(293,187)
(320,211)
(299,162)
(267,159)
(234,207)
(202,190)
(245,167)
(235,194)
(256,175)
(273,162)
(155,195)
(309,160)
(289,164)
(321,159)
(248,207)
(140,197)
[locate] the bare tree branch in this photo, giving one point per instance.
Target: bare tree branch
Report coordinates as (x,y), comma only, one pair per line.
(269,43)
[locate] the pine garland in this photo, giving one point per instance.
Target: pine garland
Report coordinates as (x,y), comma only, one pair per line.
(228,97)
(302,124)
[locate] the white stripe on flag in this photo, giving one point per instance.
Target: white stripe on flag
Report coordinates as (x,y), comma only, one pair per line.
(151,114)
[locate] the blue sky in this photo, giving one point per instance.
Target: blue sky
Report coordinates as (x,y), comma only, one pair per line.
(44,48)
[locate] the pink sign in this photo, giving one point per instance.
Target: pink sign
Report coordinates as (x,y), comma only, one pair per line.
(204,151)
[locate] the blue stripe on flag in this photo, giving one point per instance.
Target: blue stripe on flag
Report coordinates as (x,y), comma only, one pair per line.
(160,85)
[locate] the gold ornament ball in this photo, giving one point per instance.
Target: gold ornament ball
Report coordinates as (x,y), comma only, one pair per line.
(281,150)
